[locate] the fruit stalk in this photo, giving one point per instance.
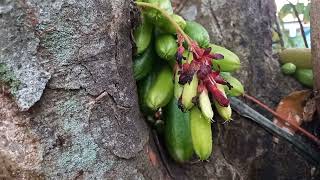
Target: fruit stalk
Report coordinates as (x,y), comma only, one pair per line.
(165,14)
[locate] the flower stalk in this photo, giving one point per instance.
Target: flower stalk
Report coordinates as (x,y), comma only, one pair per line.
(165,14)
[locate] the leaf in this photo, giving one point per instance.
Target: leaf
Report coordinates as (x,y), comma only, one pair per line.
(285,10)
(292,108)
(300,8)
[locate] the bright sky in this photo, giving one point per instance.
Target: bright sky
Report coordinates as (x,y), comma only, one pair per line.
(280,3)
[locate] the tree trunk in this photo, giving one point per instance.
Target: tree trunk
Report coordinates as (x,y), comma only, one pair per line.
(73,111)
(315,44)
(65,54)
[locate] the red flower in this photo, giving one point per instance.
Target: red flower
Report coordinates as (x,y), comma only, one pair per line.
(215,92)
(202,65)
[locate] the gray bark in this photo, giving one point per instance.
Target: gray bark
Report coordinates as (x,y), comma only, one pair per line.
(63,55)
(73,112)
(243,150)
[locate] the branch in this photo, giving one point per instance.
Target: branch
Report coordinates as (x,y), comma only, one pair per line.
(244,110)
(300,23)
(278,30)
(284,120)
(315,49)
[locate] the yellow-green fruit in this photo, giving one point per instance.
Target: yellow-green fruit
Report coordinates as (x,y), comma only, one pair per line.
(142,36)
(178,88)
(205,105)
(288,68)
(144,86)
(224,112)
(198,33)
(301,57)
(237,87)
(166,25)
(201,134)
(166,47)
(154,15)
(304,76)
(230,61)
(161,91)
(189,92)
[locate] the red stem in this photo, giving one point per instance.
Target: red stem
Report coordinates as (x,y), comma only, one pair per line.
(264,106)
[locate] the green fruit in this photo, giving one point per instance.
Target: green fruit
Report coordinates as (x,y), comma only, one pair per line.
(198,33)
(144,87)
(177,132)
(166,25)
(288,68)
(189,92)
(178,88)
(205,105)
(142,65)
(201,134)
(229,63)
(154,15)
(142,36)
(161,90)
(166,47)
(301,57)
(224,112)
(305,77)
(237,87)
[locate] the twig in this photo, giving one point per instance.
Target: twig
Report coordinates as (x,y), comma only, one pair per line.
(244,110)
(300,23)
(161,152)
(166,15)
(278,30)
(315,51)
(306,133)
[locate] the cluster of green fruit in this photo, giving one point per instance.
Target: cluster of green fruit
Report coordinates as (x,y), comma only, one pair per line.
(185,109)
(297,62)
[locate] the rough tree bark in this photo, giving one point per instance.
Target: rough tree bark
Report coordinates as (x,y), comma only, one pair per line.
(242,149)
(315,45)
(65,54)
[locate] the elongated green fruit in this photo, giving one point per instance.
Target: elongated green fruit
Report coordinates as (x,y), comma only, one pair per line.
(178,88)
(205,105)
(144,87)
(198,33)
(177,132)
(142,65)
(224,112)
(288,68)
(166,47)
(301,57)
(161,90)
(189,92)
(237,87)
(142,36)
(201,134)
(167,27)
(305,77)
(154,15)
(229,63)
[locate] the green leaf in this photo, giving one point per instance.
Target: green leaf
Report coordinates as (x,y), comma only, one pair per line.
(285,10)
(300,8)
